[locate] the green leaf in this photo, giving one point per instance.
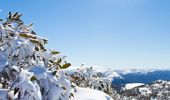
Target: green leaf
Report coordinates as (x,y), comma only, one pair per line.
(33,78)
(32,32)
(9,16)
(45,41)
(34,41)
(64,88)
(54,73)
(30,25)
(71,94)
(27,36)
(59,61)
(42,48)
(51,61)
(15,14)
(73,86)
(36,48)
(55,52)
(16,90)
(24,35)
(66,66)
(10,13)
(1,19)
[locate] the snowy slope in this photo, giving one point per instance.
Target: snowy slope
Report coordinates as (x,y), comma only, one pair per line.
(89,94)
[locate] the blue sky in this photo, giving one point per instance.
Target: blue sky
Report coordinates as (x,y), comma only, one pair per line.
(109,33)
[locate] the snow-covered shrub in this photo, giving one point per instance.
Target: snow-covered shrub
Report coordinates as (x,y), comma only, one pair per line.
(29,71)
(89,77)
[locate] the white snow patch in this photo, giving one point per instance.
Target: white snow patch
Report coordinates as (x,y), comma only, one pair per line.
(132,85)
(89,94)
(168,83)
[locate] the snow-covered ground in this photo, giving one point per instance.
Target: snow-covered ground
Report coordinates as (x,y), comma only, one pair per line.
(132,85)
(144,90)
(90,94)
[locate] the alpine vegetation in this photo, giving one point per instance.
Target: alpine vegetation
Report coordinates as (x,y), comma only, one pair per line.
(29,71)
(89,77)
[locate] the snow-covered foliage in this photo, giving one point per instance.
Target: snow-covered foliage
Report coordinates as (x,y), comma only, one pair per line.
(29,71)
(91,78)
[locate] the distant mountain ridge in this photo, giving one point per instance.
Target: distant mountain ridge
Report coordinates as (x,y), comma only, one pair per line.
(139,76)
(143,77)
